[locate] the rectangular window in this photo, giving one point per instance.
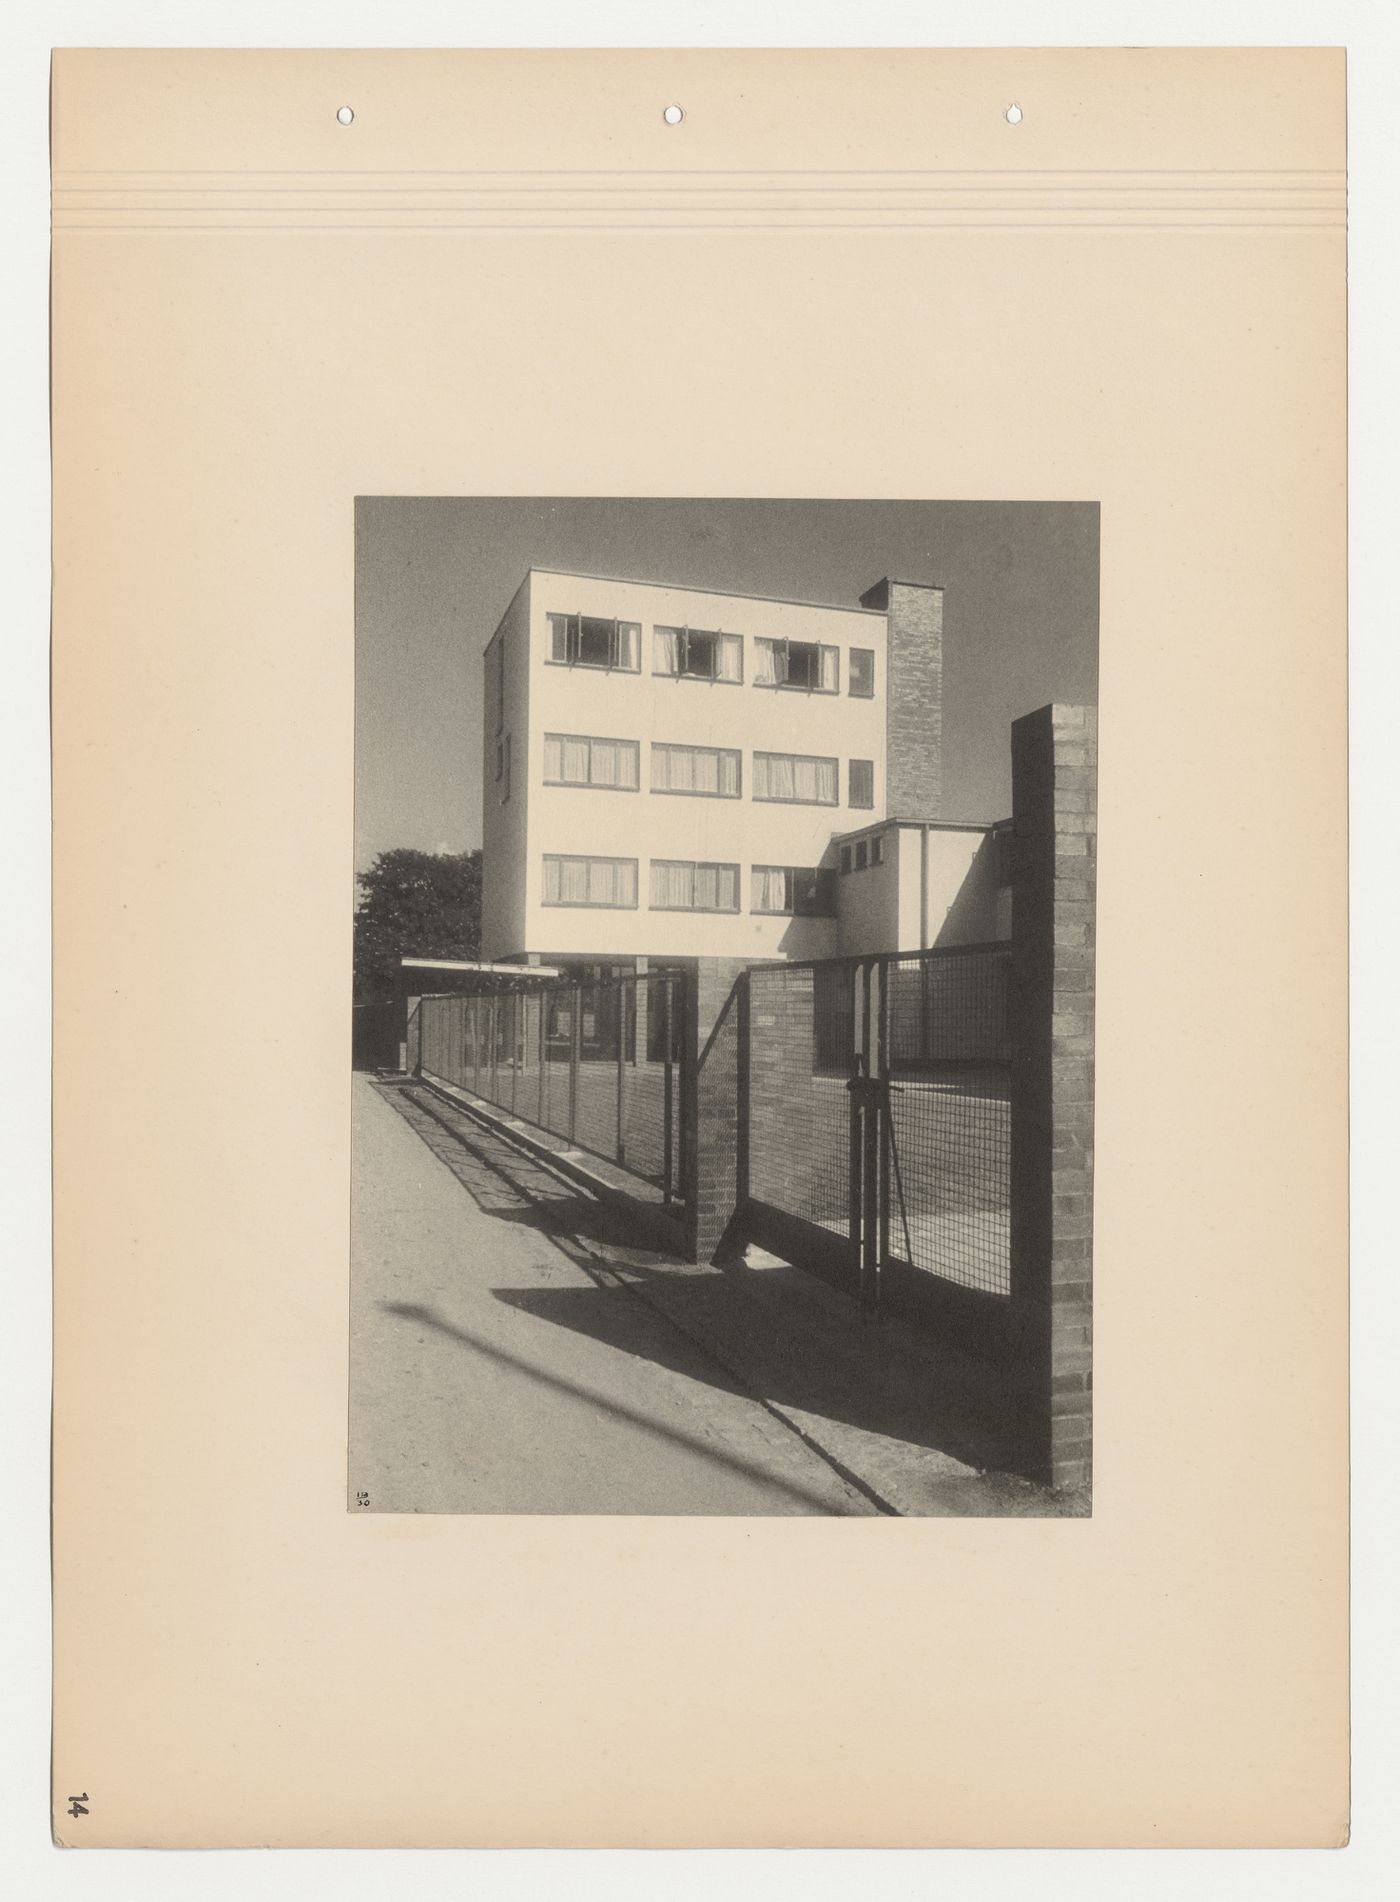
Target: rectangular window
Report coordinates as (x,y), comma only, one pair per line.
(861,784)
(801,891)
(845,858)
(697,653)
(576,759)
(690,885)
(862,854)
(590,640)
(795,779)
(587,881)
(807,666)
(711,772)
(862,676)
(877,849)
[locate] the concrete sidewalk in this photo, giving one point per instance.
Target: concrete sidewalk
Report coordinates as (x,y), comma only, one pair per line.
(515,1350)
(491,1371)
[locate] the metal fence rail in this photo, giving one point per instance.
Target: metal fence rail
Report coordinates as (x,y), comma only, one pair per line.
(595,1063)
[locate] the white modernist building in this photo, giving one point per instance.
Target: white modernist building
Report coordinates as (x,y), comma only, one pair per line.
(675,773)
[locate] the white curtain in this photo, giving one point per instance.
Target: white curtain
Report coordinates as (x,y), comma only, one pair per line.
(765,673)
(770,888)
(804,779)
(665,650)
(629,638)
(730,665)
(831,670)
(573,881)
(672,884)
(773,776)
(729,774)
(574,771)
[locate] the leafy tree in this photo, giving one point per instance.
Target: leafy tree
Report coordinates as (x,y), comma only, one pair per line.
(414,904)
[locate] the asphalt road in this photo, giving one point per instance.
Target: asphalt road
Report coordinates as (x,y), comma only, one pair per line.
(491,1372)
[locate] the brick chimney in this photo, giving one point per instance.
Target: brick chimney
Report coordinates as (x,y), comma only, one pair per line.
(913,696)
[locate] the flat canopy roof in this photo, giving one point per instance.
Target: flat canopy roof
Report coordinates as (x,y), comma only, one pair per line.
(479,964)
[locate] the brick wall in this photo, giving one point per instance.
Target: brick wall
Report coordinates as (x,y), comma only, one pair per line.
(913,697)
(1054,761)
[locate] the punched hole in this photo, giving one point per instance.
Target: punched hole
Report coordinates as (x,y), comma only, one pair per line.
(345,116)
(673,115)
(1014,115)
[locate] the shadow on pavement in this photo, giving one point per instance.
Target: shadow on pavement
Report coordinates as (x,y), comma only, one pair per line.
(705,1449)
(774,1332)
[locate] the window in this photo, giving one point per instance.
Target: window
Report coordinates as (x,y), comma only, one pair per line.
(696,653)
(862,855)
(574,759)
(703,771)
(588,640)
(862,674)
(860,790)
(877,849)
(795,779)
(582,881)
(801,890)
(687,885)
(805,665)
(845,858)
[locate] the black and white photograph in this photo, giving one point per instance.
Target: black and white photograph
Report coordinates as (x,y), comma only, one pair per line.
(723,1007)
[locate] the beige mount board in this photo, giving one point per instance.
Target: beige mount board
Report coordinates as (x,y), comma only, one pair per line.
(844,274)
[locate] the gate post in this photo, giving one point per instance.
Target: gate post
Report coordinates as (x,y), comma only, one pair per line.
(622,1016)
(1054,758)
(710,1073)
(668,1090)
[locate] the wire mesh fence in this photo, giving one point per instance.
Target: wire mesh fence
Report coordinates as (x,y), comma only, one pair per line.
(948,1171)
(932,1029)
(595,1063)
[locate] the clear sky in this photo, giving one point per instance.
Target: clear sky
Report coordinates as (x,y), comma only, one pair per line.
(433,575)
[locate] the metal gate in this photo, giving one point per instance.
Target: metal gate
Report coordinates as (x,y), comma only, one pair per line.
(879,1122)
(597,1063)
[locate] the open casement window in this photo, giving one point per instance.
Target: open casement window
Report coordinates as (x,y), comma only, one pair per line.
(801,891)
(797,779)
(577,759)
(690,885)
(697,653)
(706,772)
(588,640)
(589,881)
(807,666)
